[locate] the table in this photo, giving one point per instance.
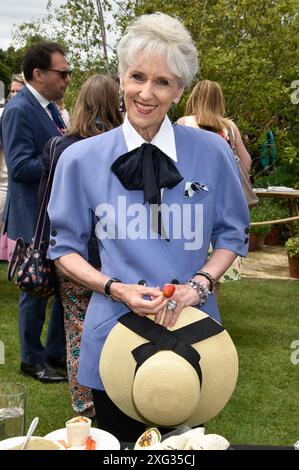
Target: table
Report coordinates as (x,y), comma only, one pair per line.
(290,196)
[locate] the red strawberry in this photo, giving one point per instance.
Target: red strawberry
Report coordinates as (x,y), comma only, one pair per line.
(168,290)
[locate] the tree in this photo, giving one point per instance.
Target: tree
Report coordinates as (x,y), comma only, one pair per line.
(251,49)
(80,26)
(10,63)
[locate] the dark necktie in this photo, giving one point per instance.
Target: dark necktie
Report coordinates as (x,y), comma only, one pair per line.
(56,116)
(149,169)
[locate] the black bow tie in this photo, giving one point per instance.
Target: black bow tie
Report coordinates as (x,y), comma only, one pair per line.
(149,169)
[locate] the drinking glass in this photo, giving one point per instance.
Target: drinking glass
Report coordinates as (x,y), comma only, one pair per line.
(12,410)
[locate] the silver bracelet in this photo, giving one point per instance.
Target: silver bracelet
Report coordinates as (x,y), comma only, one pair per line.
(203,291)
(209,277)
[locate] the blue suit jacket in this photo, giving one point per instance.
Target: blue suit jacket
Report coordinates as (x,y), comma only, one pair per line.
(25,129)
(85,184)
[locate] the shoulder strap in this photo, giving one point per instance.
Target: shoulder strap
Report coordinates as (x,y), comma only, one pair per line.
(232,138)
(43,208)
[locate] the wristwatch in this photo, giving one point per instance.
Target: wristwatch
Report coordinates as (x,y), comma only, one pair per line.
(107,292)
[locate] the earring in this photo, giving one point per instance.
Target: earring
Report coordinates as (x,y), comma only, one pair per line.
(122,107)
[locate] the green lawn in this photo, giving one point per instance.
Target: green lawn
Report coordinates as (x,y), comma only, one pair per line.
(262,318)
(51,403)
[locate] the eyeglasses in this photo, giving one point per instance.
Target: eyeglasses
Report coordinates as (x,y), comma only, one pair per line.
(62,73)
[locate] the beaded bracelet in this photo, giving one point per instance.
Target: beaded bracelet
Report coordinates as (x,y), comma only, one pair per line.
(202,291)
(209,277)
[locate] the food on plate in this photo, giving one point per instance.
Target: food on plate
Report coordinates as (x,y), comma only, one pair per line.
(39,443)
(193,444)
(90,444)
(66,445)
(147,439)
(174,442)
(158,446)
(195,439)
(168,290)
(77,430)
(178,442)
(207,442)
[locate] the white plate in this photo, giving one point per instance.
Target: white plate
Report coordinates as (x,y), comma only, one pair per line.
(12,442)
(7,444)
(104,440)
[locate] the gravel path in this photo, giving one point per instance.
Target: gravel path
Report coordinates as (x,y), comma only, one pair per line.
(271,262)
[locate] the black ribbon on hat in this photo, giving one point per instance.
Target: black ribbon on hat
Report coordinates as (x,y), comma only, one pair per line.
(149,169)
(162,339)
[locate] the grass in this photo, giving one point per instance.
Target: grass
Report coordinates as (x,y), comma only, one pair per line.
(50,402)
(261,317)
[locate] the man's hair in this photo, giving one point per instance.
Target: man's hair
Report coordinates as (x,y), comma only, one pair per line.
(39,56)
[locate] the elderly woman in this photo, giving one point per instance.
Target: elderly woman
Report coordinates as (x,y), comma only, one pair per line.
(160,195)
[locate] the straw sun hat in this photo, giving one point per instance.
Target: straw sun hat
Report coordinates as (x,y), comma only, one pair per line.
(148,374)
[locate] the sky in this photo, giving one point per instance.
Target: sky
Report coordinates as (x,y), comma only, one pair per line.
(20,11)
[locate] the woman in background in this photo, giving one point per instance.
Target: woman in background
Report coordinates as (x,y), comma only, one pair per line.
(205,109)
(7,245)
(96,111)
(17,83)
(64,112)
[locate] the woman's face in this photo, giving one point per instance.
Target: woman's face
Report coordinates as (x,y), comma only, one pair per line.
(149,90)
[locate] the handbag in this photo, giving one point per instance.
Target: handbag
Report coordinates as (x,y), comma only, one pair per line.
(251,197)
(35,272)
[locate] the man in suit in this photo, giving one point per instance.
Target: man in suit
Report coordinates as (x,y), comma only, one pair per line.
(28,122)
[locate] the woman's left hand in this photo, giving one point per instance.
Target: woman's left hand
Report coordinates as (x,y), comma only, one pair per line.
(184,296)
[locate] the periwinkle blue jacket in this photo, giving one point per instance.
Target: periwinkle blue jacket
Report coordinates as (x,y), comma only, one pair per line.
(84,185)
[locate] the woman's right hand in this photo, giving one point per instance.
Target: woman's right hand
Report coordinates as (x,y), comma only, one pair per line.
(133,296)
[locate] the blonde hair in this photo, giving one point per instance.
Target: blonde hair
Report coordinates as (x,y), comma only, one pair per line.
(15,78)
(206,102)
(97,107)
(158,33)
(60,103)
(18,77)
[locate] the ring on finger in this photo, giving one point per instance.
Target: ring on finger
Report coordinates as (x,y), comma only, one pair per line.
(171,306)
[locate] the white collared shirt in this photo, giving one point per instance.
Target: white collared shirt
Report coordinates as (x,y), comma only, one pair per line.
(41,99)
(164,139)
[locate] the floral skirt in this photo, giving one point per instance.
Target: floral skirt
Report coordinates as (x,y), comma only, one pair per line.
(233,273)
(75,299)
